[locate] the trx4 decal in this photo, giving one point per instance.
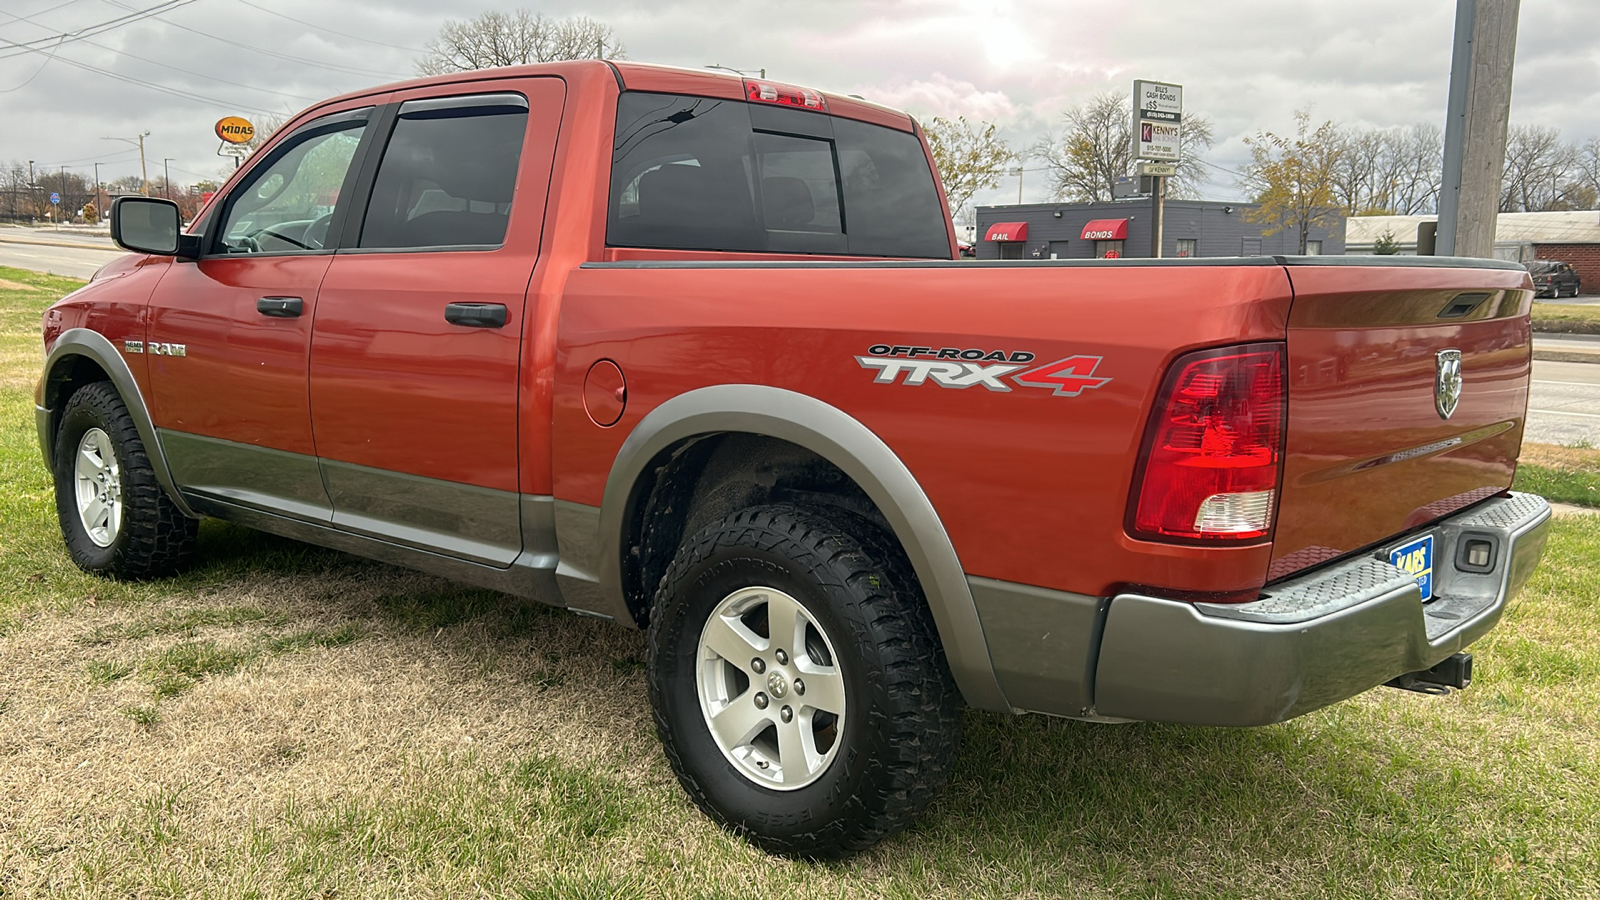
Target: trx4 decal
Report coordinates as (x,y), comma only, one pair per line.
(951,367)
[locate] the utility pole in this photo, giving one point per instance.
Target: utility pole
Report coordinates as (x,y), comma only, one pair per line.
(99,211)
(166,176)
(1477,117)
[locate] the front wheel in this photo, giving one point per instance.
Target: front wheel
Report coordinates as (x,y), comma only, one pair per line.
(798,686)
(115,517)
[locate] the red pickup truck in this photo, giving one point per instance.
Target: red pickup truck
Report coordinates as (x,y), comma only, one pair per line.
(692,353)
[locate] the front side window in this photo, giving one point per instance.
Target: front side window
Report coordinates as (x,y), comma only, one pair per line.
(448,174)
(695,173)
(287,204)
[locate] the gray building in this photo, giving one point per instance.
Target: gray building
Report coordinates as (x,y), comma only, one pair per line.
(1122,228)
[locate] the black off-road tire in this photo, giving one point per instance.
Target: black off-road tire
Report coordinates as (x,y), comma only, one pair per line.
(154,538)
(900,734)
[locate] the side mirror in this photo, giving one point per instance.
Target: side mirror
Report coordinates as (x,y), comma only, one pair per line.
(150,225)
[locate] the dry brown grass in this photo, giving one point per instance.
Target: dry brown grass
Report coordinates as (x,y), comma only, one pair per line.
(1554,456)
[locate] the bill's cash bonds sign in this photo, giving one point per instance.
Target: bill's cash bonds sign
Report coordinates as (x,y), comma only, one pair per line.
(1157,120)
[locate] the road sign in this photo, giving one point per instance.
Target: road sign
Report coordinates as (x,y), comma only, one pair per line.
(1157,120)
(1150,169)
(55,199)
(235,130)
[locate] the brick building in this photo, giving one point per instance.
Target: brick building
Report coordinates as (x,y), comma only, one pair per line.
(1122,228)
(1573,237)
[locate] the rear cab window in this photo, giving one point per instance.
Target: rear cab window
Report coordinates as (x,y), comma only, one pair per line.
(698,173)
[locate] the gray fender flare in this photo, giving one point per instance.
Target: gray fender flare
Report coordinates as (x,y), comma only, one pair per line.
(842,440)
(92,344)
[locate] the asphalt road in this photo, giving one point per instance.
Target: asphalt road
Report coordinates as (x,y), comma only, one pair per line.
(1564,404)
(66,254)
(1564,407)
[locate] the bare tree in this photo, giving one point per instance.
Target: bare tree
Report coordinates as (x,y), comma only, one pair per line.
(1540,170)
(1095,147)
(970,159)
(1586,176)
(518,38)
(1389,171)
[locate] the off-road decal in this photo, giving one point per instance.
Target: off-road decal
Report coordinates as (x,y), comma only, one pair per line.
(954,367)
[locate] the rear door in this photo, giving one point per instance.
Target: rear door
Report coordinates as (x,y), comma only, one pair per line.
(229,334)
(1408,389)
(421,321)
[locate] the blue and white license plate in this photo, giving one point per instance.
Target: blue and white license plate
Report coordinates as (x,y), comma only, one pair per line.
(1416,559)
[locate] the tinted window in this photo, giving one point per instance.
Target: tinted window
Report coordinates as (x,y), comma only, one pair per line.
(889,197)
(448,174)
(695,173)
(287,203)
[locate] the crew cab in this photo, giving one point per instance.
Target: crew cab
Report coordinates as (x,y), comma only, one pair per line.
(692,353)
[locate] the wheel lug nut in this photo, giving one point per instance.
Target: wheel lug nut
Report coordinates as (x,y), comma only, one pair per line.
(761,700)
(787,714)
(799,686)
(781,657)
(757,666)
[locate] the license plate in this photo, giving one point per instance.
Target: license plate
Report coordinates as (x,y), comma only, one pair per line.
(1416,559)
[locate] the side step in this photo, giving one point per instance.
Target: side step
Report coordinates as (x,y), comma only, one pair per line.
(1452,672)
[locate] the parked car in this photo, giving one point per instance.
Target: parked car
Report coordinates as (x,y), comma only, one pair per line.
(693,354)
(1553,278)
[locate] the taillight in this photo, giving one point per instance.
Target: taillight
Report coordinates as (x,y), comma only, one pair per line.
(784,95)
(1214,447)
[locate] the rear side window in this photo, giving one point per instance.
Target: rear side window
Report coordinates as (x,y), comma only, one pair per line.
(448,174)
(694,173)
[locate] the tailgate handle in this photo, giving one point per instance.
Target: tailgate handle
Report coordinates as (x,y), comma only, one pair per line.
(281,307)
(476,315)
(1462,306)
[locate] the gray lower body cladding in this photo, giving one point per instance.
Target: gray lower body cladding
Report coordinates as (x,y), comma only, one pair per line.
(1308,642)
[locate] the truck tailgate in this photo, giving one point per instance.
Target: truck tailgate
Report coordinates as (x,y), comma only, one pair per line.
(1370,452)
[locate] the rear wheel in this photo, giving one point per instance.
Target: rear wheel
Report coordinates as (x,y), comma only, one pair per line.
(115,517)
(798,687)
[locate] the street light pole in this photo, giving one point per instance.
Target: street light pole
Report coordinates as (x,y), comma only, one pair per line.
(144,179)
(99,211)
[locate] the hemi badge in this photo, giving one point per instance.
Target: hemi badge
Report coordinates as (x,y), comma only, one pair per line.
(133,346)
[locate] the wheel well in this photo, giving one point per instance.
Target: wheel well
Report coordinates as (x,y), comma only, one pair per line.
(69,375)
(706,478)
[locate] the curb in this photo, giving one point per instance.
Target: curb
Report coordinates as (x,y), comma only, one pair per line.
(1572,356)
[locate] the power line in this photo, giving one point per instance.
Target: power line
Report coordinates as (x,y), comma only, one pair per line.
(342,34)
(87,31)
(222,104)
(153,63)
(347,70)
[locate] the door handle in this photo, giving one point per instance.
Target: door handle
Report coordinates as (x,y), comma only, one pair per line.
(281,307)
(476,315)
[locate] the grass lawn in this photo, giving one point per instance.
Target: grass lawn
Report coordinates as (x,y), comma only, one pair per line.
(284,721)
(1561,474)
(1564,318)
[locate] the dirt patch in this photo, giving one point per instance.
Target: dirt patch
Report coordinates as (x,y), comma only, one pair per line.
(17,286)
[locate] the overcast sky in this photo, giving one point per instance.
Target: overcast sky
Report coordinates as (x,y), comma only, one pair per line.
(1247,64)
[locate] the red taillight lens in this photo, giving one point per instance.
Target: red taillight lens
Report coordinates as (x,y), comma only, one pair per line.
(1214,447)
(784,95)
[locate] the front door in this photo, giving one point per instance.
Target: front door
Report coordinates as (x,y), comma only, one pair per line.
(421,323)
(229,334)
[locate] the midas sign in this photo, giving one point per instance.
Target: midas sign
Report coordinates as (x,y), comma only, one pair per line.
(235,130)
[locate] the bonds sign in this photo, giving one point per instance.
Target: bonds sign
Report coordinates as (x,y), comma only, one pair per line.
(1157,121)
